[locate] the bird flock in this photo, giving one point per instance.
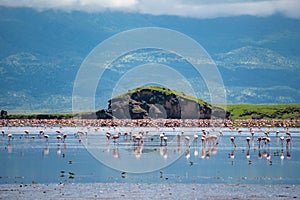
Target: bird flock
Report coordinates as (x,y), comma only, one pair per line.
(209,142)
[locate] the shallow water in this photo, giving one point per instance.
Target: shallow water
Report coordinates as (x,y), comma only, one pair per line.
(88,158)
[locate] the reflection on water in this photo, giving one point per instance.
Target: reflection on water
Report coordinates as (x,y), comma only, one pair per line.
(187,155)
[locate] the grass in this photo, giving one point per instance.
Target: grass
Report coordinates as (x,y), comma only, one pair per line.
(264,111)
(166,91)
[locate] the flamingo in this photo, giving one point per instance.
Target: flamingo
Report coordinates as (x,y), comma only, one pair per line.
(232,140)
(138,138)
(267,134)
(26,132)
(165,140)
(196,137)
(248,142)
(108,134)
(3,132)
(288,142)
(46,137)
(187,140)
(161,136)
(288,133)
(203,140)
(58,137)
(64,137)
(252,134)
(281,139)
(115,137)
(259,140)
(10,136)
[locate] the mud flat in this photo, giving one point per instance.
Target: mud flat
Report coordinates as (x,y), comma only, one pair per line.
(148,191)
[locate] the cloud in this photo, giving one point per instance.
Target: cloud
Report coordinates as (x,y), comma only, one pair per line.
(185,8)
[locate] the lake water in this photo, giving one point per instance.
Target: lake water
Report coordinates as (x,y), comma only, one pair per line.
(89,158)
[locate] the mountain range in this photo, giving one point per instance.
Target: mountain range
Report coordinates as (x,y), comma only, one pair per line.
(42,51)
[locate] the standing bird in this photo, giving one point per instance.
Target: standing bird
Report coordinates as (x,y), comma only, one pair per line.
(165,140)
(187,140)
(108,134)
(3,132)
(288,133)
(115,137)
(26,132)
(248,142)
(232,140)
(195,137)
(10,136)
(58,137)
(64,137)
(281,139)
(161,136)
(203,140)
(267,134)
(288,142)
(46,137)
(259,140)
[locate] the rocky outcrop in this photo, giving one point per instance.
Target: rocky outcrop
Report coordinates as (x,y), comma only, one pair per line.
(158,103)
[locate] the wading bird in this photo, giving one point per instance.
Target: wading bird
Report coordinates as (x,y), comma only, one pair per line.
(232,140)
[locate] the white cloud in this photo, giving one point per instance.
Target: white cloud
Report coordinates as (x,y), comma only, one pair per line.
(186,8)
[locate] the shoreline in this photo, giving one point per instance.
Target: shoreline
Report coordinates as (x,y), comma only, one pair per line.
(148,191)
(225,123)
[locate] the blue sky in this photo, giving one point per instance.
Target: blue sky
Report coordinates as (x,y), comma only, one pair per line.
(184,8)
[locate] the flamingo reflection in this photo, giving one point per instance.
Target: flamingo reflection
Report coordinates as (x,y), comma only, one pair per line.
(138,150)
(163,152)
(116,153)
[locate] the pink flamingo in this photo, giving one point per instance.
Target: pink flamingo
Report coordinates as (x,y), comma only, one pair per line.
(196,138)
(248,142)
(46,137)
(115,137)
(108,134)
(288,142)
(281,139)
(165,140)
(64,137)
(232,140)
(161,136)
(58,137)
(259,140)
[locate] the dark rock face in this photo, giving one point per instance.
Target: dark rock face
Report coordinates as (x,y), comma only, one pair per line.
(148,103)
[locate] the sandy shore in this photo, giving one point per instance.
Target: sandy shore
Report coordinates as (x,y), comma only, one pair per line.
(148,191)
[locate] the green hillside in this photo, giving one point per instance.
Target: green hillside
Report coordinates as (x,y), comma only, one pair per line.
(264,111)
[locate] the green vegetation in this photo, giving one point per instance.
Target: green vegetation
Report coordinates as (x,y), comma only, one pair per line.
(166,91)
(266,111)
(40,116)
(237,111)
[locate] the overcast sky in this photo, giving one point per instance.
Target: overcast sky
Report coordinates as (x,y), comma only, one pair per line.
(186,8)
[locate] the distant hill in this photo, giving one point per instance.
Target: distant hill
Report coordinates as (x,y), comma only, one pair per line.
(41,52)
(157,102)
